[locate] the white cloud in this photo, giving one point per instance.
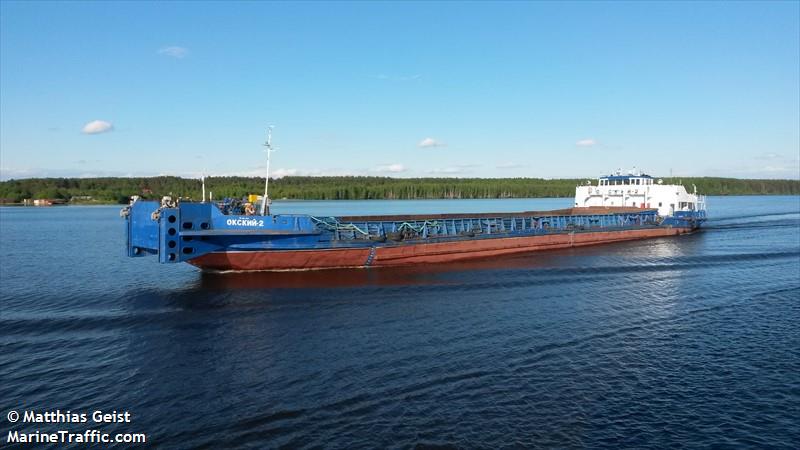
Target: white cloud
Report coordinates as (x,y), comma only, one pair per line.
(390,168)
(779,170)
(7,173)
(260,171)
(174,51)
(791,171)
(586,143)
(771,169)
(430,142)
(97,127)
(512,166)
(448,171)
(280,173)
(10,173)
(771,156)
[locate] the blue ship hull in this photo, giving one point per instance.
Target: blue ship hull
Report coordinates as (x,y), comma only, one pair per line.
(204,235)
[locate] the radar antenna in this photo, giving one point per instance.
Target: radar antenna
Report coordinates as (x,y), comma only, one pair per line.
(265,203)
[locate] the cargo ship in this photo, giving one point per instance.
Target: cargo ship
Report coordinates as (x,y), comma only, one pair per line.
(232,235)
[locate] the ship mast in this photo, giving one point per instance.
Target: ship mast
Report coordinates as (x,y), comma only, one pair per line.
(269,150)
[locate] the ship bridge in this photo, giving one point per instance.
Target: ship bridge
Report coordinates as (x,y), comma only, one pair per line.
(625,180)
(638,190)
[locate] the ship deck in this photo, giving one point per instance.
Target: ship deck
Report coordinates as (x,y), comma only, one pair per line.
(582,211)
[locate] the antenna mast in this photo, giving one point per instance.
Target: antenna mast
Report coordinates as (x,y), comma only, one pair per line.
(269,150)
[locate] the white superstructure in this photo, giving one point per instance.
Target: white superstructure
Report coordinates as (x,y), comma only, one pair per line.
(638,190)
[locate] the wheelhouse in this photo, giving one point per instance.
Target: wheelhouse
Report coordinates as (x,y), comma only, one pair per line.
(626,180)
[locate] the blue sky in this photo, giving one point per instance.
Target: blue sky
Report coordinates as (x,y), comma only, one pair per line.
(400,89)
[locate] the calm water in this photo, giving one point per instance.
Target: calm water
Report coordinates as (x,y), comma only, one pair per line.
(691,341)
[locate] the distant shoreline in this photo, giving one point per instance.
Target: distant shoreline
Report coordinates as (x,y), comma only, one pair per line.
(109,203)
(116,190)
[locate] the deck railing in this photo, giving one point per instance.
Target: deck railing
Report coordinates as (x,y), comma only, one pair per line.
(469,227)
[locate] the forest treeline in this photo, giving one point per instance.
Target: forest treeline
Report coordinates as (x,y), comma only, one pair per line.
(118,190)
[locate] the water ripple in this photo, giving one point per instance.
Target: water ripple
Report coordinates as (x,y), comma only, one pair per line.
(678,342)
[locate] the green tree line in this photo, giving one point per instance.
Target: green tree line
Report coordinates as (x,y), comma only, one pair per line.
(118,190)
